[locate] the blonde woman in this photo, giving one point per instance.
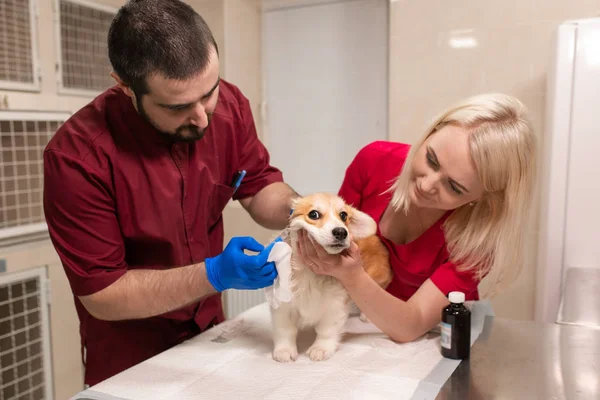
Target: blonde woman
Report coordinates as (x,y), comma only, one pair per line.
(450,210)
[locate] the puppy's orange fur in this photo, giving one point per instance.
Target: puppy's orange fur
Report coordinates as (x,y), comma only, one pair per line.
(375,258)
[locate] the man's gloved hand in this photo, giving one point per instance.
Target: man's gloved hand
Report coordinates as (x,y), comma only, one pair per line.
(233,269)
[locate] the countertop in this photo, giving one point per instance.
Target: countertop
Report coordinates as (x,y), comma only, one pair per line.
(528,360)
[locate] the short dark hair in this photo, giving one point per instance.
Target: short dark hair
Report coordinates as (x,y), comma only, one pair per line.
(158,36)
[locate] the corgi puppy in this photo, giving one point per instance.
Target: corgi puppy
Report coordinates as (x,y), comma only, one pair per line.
(320,301)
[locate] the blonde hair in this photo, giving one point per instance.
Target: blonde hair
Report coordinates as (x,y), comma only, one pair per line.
(488,237)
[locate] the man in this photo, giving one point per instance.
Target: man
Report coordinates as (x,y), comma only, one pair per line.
(135,186)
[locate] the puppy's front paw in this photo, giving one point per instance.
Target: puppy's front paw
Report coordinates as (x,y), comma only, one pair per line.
(320,352)
(285,354)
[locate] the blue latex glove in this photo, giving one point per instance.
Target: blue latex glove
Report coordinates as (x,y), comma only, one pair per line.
(233,269)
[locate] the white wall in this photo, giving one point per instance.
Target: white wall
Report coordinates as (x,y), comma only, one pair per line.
(242,51)
(279,4)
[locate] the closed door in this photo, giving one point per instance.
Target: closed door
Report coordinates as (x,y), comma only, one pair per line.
(326,88)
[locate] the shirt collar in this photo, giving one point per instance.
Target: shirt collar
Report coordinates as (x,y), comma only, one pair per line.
(141,129)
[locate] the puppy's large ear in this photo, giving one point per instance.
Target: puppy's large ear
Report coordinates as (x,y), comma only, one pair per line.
(361,225)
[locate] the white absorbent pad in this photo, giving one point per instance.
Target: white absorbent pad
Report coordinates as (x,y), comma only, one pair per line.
(233,361)
(280,292)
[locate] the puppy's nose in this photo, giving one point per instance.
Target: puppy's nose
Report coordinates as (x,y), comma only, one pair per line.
(340,233)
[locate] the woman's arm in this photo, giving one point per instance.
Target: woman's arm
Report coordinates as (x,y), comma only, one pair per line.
(402,321)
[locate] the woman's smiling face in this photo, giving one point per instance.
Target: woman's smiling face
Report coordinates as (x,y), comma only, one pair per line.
(444,176)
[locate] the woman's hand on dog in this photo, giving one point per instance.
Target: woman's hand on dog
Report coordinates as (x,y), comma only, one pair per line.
(345,266)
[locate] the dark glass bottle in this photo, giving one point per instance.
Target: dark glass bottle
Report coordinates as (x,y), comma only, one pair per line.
(456,328)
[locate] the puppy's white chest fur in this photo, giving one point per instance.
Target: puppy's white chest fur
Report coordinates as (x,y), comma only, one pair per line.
(316,297)
(317,301)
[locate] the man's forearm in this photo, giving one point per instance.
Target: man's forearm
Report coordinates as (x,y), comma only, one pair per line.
(144,293)
(271,206)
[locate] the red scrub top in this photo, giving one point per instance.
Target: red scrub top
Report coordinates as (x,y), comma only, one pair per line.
(367,179)
(118,197)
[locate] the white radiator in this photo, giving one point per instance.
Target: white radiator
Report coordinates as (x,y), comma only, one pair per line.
(238,301)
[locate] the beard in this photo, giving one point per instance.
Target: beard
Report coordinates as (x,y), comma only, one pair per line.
(183,134)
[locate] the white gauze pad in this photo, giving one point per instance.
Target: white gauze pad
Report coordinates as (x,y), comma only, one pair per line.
(280,292)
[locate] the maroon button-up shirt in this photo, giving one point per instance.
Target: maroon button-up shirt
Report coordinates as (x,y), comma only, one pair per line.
(118,197)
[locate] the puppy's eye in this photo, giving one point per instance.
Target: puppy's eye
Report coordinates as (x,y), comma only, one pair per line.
(314,214)
(343,216)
